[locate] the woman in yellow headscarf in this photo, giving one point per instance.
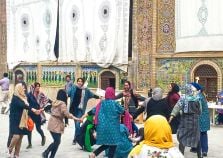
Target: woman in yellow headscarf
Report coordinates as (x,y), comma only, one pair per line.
(157,140)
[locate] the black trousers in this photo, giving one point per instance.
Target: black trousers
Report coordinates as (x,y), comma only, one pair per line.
(52,148)
(111,150)
(39,130)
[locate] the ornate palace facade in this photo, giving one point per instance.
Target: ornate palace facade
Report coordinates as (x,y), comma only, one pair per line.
(153,62)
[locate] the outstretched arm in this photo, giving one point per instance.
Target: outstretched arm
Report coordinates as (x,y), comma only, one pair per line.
(67,114)
(175,111)
(138,112)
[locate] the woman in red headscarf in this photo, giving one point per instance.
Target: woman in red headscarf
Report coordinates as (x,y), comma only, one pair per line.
(107,120)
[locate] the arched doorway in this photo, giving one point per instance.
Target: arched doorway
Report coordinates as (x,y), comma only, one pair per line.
(107,79)
(19,76)
(207,76)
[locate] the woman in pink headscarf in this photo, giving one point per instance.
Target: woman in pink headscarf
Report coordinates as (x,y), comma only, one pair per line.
(108,124)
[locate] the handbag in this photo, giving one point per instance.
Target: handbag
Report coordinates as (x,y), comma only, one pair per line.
(26,122)
(30,124)
(23,120)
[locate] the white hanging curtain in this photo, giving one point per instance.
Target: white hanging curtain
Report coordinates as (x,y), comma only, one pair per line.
(111,33)
(95,31)
(199,25)
(31,29)
(72,39)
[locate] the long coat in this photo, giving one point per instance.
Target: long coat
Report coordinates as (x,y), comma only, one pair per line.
(108,127)
(16,108)
(204,118)
(188,132)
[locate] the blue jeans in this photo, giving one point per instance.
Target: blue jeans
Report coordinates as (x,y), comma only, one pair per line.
(78,114)
(204,142)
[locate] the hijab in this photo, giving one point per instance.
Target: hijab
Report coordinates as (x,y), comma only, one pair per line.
(157,133)
(157,93)
(20,92)
(190,95)
(109,93)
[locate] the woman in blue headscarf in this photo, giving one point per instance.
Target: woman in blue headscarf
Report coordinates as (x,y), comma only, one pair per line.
(189,106)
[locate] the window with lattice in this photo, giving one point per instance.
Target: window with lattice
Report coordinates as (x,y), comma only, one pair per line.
(205,70)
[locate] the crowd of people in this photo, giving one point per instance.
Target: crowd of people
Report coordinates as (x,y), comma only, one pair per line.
(110,124)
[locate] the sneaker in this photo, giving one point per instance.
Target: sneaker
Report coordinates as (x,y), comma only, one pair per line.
(193,150)
(204,154)
(74,142)
(44,155)
(29,146)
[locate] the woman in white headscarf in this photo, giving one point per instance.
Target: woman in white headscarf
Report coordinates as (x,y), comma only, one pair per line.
(18,118)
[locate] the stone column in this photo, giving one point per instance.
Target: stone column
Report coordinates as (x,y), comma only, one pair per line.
(154,46)
(3,39)
(142,42)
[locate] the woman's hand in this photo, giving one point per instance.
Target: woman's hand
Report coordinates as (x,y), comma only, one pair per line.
(37,112)
(77,119)
(170,119)
(82,119)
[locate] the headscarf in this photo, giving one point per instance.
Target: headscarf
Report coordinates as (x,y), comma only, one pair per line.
(157,93)
(175,88)
(110,93)
(19,92)
(189,92)
(190,95)
(196,85)
(41,98)
(157,133)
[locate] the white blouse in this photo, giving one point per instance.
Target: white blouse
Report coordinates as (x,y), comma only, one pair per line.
(154,152)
